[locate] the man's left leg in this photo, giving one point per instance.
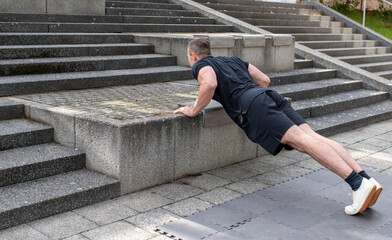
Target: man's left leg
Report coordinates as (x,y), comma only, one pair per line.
(346,157)
(363,189)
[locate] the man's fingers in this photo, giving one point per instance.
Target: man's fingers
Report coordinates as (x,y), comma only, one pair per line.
(180,110)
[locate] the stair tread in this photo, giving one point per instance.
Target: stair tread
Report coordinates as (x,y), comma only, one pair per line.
(49,188)
(365,56)
(334,98)
(296,87)
(374,64)
(89,74)
(80,59)
(17,126)
(298,72)
(73,45)
(347,116)
(23,156)
(352,48)
(6,103)
(333,41)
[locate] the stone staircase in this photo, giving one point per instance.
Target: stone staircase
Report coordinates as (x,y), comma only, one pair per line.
(38,177)
(330,104)
(49,53)
(312,29)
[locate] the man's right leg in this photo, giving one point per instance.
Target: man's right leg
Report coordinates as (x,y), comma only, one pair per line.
(363,189)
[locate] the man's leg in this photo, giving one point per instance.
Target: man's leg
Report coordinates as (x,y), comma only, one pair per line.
(363,189)
(346,157)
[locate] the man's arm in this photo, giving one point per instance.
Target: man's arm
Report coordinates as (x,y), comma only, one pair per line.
(258,77)
(208,83)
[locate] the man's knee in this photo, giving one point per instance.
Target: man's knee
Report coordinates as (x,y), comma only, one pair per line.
(297,138)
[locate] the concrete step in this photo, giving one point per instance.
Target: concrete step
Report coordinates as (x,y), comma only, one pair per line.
(10,110)
(376,67)
(150,1)
(343,121)
(82,64)
(39,83)
(336,52)
(25,202)
(300,75)
(141,4)
(314,89)
(255,3)
(290,22)
(73,50)
(168,20)
(39,161)
(366,58)
(110,27)
(17,133)
(385,74)
(337,102)
(257,9)
(295,29)
(327,37)
(265,15)
(150,12)
(340,44)
(64,38)
(22,17)
(303,63)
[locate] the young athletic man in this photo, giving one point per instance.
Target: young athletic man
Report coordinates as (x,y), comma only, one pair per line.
(268,119)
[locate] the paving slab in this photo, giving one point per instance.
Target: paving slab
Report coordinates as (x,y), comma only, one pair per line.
(118,231)
(307,207)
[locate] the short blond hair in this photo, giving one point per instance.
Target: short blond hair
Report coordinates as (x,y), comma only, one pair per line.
(200,46)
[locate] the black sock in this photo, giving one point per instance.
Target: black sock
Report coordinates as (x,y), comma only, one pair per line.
(354,180)
(364,174)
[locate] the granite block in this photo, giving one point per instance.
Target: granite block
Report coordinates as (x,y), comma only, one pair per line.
(118,231)
(188,206)
(219,196)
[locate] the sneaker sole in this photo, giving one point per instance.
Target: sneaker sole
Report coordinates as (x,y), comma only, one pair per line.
(368,199)
(375,197)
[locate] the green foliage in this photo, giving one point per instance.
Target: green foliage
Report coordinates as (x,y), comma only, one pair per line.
(378,21)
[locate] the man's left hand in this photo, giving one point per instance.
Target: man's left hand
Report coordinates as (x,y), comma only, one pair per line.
(186,110)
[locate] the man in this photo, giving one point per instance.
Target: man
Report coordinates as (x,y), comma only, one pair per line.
(268,119)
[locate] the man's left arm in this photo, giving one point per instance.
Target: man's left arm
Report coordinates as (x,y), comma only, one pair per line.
(208,83)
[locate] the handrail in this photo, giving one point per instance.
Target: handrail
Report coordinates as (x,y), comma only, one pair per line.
(364,10)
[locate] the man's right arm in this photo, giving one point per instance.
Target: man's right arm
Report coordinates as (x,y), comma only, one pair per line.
(258,77)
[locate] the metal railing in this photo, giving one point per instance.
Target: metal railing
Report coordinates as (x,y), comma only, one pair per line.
(364,10)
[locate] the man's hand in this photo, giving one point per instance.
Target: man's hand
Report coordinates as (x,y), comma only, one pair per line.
(187,111)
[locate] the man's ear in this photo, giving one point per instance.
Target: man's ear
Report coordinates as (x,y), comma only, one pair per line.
(195,57)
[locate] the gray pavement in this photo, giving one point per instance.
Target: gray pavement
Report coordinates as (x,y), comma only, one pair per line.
(137,215)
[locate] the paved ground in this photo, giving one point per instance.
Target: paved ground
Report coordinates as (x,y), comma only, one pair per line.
(137,215)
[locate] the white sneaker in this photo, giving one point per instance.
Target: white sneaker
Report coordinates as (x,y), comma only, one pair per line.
(377,193)
(361,197)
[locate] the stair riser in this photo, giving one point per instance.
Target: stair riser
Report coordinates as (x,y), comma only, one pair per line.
(308,30)
(142,5)
(95,28)
(313,93)
(327,37)
(254,15)
(59,67)
(152,12)
(379,68)
(340,45)
(26,139)
(64,39)
(168,20)
(56,206)
(241,8)
(387,76)
(301,78)
(151,1)
(94,82)
(341,106)
(302,65)
(274,22)
(45,52)
(253,3)
(41,170)
(354,124)
(368,60)
(14,17)
(350,52)
(11,112)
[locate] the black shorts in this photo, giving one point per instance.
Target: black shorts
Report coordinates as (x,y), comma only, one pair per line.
(268,118)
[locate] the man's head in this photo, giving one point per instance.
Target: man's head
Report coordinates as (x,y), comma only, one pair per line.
(198,49)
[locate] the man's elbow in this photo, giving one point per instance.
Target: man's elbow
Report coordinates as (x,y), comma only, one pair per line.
(267,81)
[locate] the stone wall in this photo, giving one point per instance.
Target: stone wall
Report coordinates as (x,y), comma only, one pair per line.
(370,4)
(68,7)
